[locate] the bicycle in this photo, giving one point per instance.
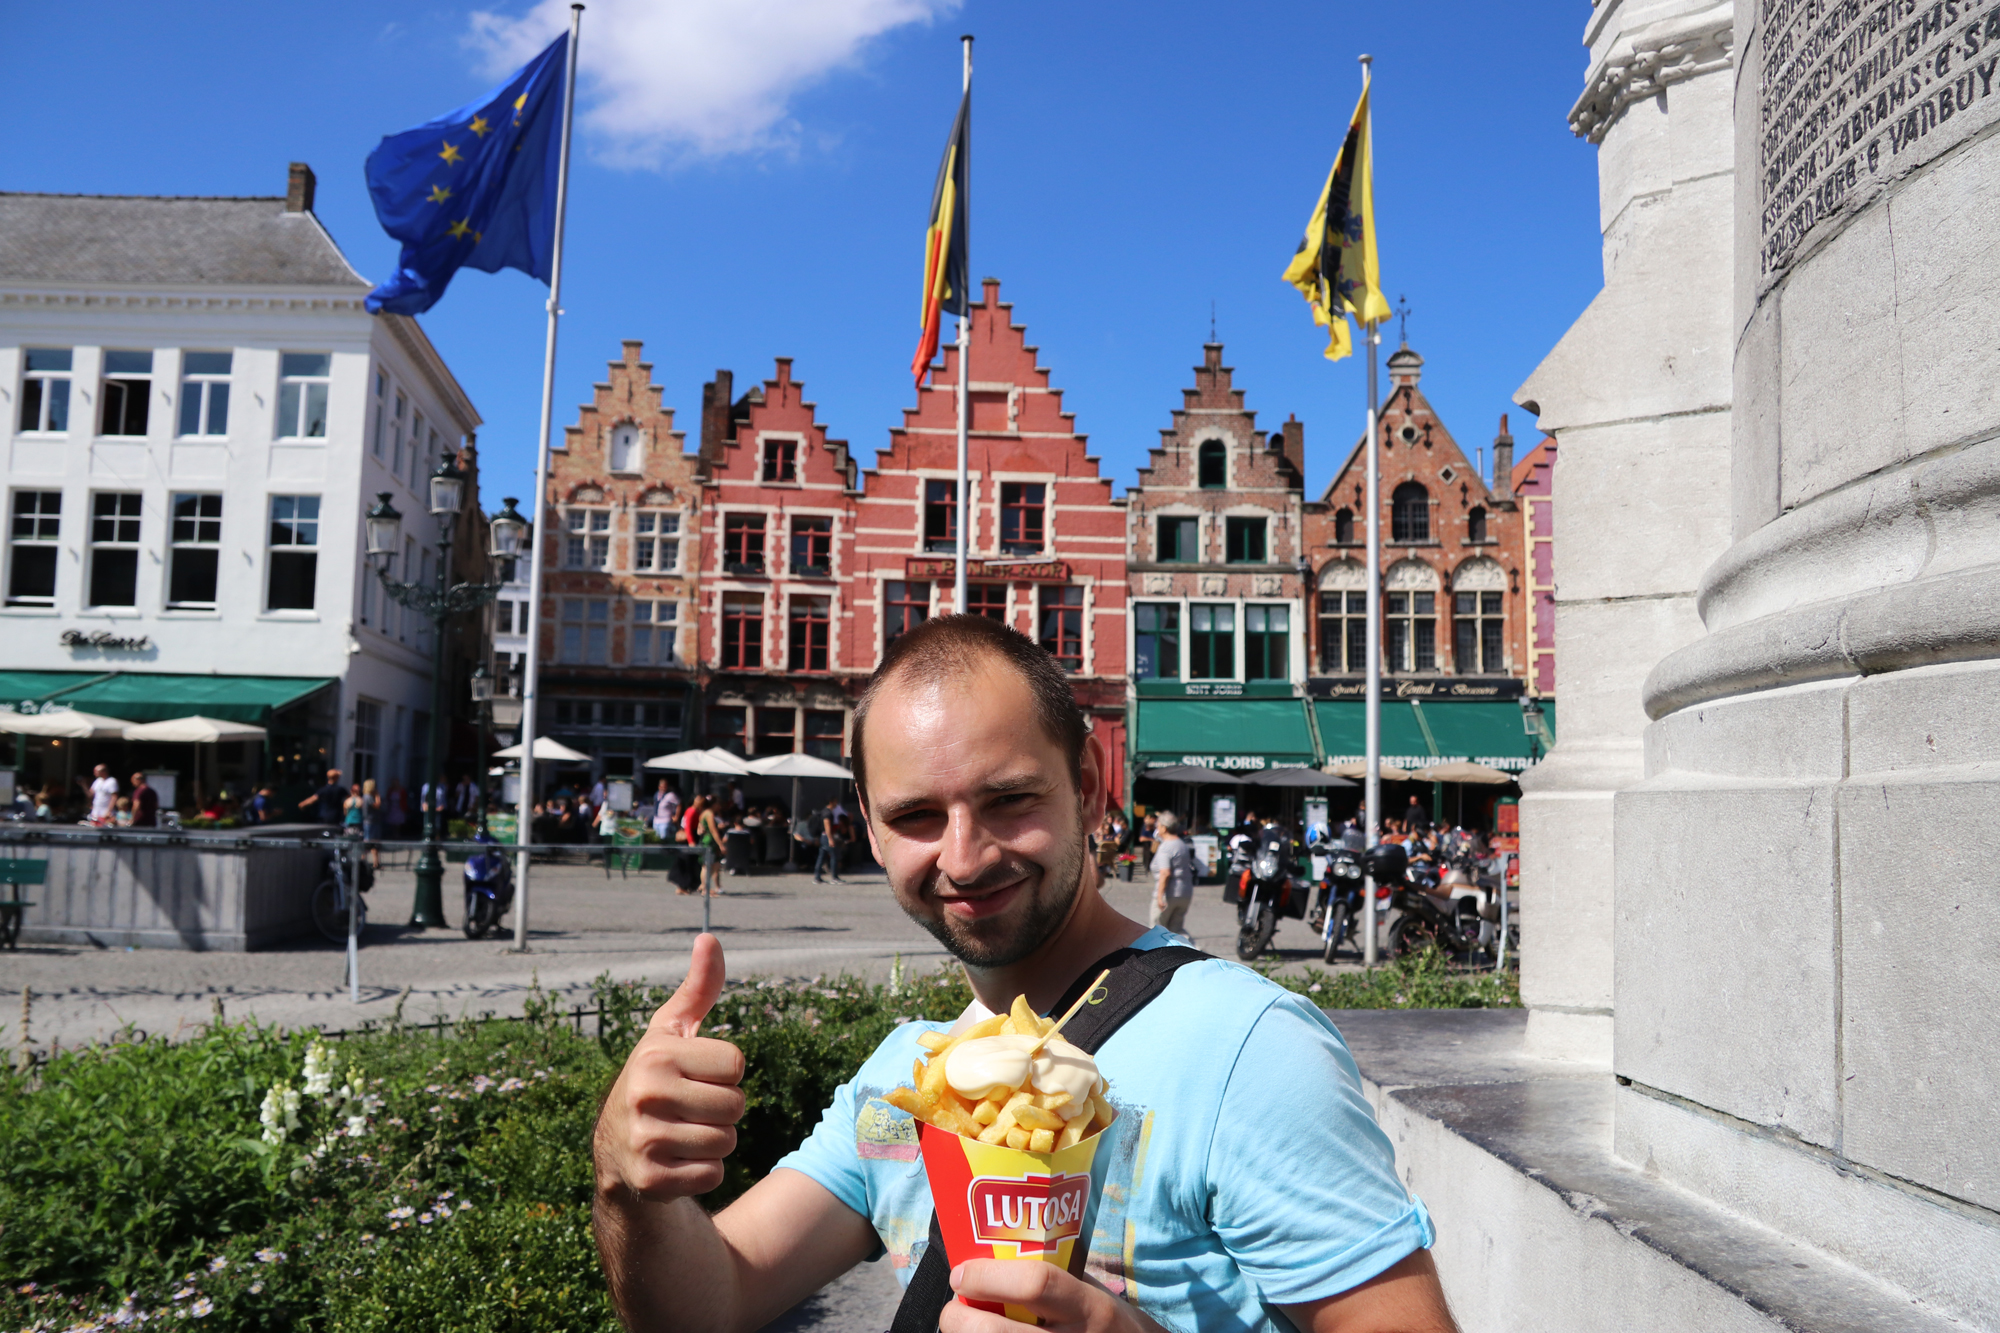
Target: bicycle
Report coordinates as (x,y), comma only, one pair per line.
(329,899)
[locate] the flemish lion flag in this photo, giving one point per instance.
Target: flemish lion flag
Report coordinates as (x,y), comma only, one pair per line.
(1335,268)
(945,265)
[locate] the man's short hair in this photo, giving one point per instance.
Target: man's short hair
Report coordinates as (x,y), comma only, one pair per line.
(956,645)
(1170,822)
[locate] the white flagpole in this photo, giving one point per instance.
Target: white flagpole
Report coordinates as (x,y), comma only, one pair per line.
(964,514)
(1373,708)
(524,823)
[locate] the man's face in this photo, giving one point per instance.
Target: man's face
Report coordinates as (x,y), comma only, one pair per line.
(138,779)
(101,771)
(972,812)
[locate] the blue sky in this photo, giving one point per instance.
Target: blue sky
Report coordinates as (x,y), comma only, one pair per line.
(753,177)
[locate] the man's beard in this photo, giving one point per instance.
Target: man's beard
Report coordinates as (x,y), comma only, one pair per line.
(1052,897)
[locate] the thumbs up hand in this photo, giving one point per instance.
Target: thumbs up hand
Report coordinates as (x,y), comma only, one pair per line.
(671,1117)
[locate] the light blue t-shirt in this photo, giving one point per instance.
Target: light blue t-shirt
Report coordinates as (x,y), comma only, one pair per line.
(1245,1169)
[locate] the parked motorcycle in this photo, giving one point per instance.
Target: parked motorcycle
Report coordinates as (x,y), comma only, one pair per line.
(1427,915)
(1336,911)
(489,887)
(1266,891)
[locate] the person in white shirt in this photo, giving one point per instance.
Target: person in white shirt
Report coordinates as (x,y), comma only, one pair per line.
(1173,870)
(103,795)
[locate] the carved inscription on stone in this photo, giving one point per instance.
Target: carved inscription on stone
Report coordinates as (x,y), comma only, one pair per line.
(1852,93)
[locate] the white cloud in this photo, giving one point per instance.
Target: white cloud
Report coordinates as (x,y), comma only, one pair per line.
(669,79)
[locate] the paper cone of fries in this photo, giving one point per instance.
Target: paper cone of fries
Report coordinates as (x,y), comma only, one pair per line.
(996,1202)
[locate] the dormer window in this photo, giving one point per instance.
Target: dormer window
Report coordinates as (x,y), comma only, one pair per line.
(781,460)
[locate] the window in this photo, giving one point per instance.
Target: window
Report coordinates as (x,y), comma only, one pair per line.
(294,557)
(127,396)
(777,729)
(656,547)
(625,448)
(205,395)
(811,624)
(586,631)
(379,413)
(1021,517)
(742,631)
(904,607)
(194,547)
(1156,641)
(402,409)
(367,740)
(1180,539)
(655,626)
(1267,642)
(587,544)
(781,459)
(1243,541)
(114,549)
(1411,622)
(1062,623)
(32,545)
(416,448)
(1410,514)
(987,599)
(1343,617)
(1475,524)
(812,546)
(940,516)
(743,543)
(1212,465)
(302,381)
(1211,642)
(1343,527)
(725,727)
(1479,633)
(825,732)
(45,390)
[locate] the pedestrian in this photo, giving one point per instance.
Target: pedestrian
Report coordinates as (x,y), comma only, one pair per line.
(328,799)
(44,805)
(607,824)
(103,790)
(663,814)
(1416,818)
(1173,877)
(398,811)
(708,836)
(121,812)
(145,803)
(829,836)
(371,822)
(353,812)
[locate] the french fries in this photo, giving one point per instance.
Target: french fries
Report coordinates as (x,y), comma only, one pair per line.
(1021,1117)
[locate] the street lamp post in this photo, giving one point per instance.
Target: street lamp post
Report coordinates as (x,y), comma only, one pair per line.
(1531,722)
(436,604)
(482,695)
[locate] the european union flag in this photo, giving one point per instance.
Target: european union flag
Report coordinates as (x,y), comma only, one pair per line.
(475,188)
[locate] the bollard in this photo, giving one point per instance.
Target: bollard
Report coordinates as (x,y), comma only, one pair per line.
(25,1055)
(352,854)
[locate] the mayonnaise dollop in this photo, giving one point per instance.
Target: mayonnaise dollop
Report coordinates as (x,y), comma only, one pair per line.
(975,1068)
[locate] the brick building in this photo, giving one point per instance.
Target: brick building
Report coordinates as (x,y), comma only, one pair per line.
(1454,594)
(779,505)
(1046,541)
(620,552)
(1534,482)
(1213,531)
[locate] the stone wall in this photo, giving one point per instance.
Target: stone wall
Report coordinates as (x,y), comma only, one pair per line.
(193,893)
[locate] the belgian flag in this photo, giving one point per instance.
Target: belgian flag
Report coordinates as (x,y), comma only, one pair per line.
(1335,268)
(945,265)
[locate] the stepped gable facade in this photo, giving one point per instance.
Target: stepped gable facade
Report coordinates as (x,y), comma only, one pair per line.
(1047,539)
(1453,590)
(779,502)
(1214,528)
(1533,483)
(621,546)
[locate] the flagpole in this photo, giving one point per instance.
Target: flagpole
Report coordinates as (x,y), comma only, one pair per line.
(1372,711)
(963,513)
(524,823)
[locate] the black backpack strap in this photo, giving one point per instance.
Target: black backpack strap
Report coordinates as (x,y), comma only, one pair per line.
(1137,978)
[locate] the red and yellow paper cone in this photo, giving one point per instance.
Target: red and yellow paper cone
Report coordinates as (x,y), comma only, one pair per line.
(996,1202)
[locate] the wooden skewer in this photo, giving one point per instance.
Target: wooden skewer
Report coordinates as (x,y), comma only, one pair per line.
(1088,991)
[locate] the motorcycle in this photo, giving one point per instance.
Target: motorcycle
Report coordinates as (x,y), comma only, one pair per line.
(1266,891)
(1336,910)
(489,887)
(1426,915)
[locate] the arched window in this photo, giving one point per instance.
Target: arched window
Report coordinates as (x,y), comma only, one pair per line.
(1478,618)
(1409,616)
(1410,514)
(1343,618)
(1475,524)
(1343,527)
(626,446)
(1212,463)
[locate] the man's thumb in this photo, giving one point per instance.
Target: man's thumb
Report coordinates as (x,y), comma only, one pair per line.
(684,1011)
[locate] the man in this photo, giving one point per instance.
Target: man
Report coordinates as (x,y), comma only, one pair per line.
(1173,877)
(978,776)
(1416,818)
(103,790)
(330,798)
(829,844)
(145,803)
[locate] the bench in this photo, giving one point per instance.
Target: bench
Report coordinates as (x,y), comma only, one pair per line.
(16,873)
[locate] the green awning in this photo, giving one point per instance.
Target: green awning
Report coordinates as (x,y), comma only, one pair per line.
(1236,735)
(148,697)
(1485,732)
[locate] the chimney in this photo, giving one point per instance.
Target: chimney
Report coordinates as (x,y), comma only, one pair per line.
(1294,444)
(299,189)
(1503,462)
(716,426)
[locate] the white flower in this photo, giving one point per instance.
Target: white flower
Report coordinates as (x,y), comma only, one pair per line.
(357,1125)
(270,1256)
(202,1308)
(318,1073)
(402,1212)
(256,1287)
(280,1112)
(217,1264)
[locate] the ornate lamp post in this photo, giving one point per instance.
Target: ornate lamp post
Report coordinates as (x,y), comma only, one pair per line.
(437,604)
(1531,722)
(482,697)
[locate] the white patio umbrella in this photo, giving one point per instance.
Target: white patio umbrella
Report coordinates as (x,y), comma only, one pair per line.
(1358,768)
(546,749)
(66,724)
(799,766)
(193,730)
(1463,771)
(702,761)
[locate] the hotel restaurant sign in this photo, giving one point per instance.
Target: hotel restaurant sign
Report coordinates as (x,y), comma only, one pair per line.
(1435,689)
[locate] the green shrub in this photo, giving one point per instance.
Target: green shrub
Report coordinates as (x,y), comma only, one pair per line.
(1426,981)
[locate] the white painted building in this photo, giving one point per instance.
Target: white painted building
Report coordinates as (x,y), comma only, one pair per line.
(196,410)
